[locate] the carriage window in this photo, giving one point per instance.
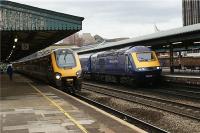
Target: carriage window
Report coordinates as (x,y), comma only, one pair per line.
(147,56)
(65,59)
(101,61)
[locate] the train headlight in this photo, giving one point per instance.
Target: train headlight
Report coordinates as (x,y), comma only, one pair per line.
(141,69)
(58,76)
(78,73)
(158,68)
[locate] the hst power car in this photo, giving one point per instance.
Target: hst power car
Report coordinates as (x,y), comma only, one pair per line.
(139,63)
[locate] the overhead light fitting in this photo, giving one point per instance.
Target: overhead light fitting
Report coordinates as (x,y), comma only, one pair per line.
(196,42)
(14,46)
(15,40)
(177,42)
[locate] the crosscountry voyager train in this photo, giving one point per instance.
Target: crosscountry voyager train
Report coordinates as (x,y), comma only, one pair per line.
(60,67)
(139,63)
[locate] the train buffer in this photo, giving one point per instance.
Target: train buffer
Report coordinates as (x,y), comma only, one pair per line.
(29,106)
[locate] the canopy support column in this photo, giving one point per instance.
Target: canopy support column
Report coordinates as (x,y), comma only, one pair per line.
(171,59)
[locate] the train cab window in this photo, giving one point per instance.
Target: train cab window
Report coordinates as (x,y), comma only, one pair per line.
(146,56)
(65,59)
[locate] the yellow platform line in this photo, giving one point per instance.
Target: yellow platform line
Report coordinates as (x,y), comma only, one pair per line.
(61,109)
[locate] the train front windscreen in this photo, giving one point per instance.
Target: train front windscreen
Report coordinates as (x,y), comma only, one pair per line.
(146,56)
(65,59)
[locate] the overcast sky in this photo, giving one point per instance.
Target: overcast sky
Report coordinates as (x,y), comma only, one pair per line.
(115,18)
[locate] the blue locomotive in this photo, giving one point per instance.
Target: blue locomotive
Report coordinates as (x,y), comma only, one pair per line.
(139,63)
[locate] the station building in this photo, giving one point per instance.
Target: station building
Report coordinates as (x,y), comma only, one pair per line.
(191,12)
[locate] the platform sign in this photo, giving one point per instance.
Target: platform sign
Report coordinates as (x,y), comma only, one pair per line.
(25,46)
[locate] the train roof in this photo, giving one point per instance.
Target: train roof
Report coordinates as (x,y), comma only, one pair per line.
(39,54)
(85,55)
(139,49)
(124,50)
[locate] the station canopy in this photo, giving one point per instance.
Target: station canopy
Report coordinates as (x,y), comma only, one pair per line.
(181,39)
(25,29)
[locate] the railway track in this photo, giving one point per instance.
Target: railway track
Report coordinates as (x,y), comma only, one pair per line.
(186,92)
(133,120)
(184,87)
(180,93)
(167,105)
(190,92)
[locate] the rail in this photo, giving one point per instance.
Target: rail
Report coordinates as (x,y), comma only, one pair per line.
(164,104)
(139,123)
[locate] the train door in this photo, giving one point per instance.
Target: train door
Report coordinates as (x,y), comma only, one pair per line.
(89,68)
(128,66)
(101,66)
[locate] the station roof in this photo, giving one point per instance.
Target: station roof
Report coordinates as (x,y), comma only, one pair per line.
(33,28)
(180,38)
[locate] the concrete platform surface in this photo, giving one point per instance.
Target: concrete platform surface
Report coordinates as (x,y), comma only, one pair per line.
(182,78)
(28,106)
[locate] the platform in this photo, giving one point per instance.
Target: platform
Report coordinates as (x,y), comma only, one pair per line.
(28,106)
(188,79)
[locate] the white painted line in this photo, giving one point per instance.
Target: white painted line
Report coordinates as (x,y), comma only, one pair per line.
(181,76)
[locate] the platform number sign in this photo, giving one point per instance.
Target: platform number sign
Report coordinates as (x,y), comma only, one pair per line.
(25,46)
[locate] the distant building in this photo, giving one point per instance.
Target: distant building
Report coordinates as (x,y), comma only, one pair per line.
(88,39)
(99,39)
(73,40)
(79,40)
(191,12)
